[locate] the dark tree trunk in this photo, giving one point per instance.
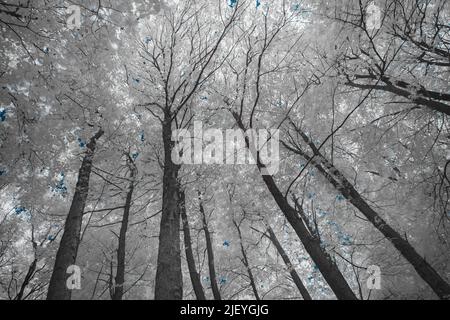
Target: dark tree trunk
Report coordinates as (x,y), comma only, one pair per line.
(27,279)
(298,282)
(338,180)
(246,263)
(68,247)
(195,277)
(120,273)
(321,258)
(169,282)
(210,252)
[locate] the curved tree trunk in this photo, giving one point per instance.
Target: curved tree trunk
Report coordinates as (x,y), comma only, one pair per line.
(321,258)
(169,281)
(120,273)
(298,282)
(210,252)
(68,247)
(338,180)
(195,277)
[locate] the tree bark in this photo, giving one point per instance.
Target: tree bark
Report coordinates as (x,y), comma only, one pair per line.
(298,282)
(120,273)
(321,258)
(338,180)
(246,263)
(195,277)
(169,282)
(68,247)
(210,252)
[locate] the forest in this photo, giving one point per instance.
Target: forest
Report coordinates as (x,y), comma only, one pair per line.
(224,150)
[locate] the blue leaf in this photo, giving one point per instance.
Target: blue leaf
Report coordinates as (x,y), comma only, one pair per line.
(222,280)
(81,143)
(142,136)
(135,155)
(295,7)
(20,210)
(340,197)
(311,195)
(232,3)
(226,243)
(2,115)
(258,3)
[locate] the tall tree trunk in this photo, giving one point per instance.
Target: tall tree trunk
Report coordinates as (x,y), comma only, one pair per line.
(120,273)
(169,282)
(68,247)
(298,282)
(338,180)
(321,258)
(210,252)
(246,263)
(195,277)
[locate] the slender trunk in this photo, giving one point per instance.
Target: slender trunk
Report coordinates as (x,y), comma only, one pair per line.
(195,277)
(210,252)
(321,258)
(298,282)
(169,282)
(246,263)
(338,180)
(120,273)
(27,279)
(68,247)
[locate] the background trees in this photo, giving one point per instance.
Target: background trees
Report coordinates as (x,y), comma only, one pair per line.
(362,108)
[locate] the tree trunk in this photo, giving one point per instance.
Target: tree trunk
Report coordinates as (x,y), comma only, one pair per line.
(298,282)
(246,263)
(338,180)
(210,252)
(195,277)
(169,282)
(120,273)
(27,279)
(68,247)
(321,258)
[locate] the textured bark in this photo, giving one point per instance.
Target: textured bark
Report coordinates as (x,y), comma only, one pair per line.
(338,180)
(210,252)
(120,273)
(195,277)
(68,247)
(298,282)
(321,258)
(246,263)
(169,282)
